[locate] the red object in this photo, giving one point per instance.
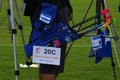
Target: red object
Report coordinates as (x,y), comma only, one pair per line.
(57,43)
(104,12)
(107,18)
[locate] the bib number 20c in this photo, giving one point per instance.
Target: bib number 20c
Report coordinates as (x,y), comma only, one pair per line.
(50,51)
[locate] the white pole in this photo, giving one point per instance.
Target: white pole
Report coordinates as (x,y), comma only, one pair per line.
(13,37)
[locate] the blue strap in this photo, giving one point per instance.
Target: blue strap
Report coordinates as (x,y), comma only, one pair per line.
(47,15)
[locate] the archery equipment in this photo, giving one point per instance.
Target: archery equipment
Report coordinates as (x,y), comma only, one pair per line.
(58,31)
(107,18)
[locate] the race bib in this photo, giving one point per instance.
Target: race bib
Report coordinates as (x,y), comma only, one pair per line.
(46,55)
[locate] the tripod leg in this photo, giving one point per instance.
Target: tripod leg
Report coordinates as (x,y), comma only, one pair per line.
(11,15)
(113,67)
(28,63)
(19,21)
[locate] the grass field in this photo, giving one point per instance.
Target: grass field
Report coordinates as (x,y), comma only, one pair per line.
(78,65)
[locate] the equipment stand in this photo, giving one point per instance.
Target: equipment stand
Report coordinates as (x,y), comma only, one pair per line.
(12,21)
(14,31)
(101,5)
(110,29)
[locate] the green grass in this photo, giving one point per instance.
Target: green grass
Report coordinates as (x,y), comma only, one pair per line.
(78,65)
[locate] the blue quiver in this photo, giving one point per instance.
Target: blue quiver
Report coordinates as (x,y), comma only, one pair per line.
(58,31)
